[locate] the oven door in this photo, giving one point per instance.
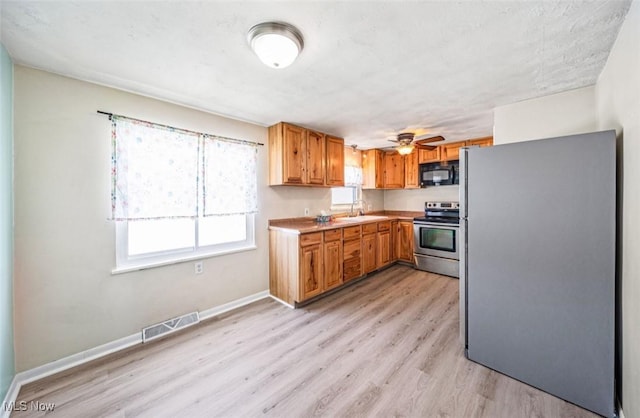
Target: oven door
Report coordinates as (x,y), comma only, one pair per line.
(437,240)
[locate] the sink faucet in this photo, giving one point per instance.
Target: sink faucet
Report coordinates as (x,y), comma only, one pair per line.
(361,210)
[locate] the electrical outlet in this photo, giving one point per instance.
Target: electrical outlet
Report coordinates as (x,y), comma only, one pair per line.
(199,267)
(306,211)
(369,207)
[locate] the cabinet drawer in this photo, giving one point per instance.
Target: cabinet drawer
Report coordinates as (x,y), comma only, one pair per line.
(333,235)
(384,226)
(309,239)
(369,229)
(351,232)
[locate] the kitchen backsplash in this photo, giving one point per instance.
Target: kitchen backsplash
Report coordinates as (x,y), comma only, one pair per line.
(414,199)
(315,199)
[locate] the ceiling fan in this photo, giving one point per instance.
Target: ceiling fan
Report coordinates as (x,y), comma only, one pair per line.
(406,142)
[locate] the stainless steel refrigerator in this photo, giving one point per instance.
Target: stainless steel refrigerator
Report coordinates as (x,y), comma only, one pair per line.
(538,264)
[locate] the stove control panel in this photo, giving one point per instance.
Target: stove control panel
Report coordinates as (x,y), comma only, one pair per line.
(441,205)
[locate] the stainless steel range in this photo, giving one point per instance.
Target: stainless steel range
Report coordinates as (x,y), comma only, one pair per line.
(436,238)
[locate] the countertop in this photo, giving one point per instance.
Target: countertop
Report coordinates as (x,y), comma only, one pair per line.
(307,224)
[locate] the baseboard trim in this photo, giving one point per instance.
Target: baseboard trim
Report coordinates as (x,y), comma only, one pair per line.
(86,356)
(77,359)
(209,313)
(10,398)
(282,301)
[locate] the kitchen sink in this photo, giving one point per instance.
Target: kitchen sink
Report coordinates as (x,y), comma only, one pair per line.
(362,218)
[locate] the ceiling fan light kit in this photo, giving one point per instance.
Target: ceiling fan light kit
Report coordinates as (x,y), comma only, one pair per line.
(277,44)
(405,149)
(407,145)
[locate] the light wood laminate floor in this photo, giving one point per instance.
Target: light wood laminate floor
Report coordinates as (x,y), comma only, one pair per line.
(386,346)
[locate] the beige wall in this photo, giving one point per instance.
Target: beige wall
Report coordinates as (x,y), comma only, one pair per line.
(66,299)
(618,107)
(566,113)
(413,200)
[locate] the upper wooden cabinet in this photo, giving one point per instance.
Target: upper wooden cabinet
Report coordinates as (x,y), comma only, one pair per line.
(411,175)
(393,170)
(483,142)
(373,169)
(288,149)
(382,170)
(335,161)
(315,160)
(450,152)
(428,156)
(302,157)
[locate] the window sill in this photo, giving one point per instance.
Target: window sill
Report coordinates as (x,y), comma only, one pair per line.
(177,260)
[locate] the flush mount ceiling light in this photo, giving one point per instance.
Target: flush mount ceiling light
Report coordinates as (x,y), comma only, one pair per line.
(277,44)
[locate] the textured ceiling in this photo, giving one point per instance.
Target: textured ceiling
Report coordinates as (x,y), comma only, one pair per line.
(368,70)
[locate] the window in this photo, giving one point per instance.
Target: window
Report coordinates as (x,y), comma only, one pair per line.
(179,195)
(343,197)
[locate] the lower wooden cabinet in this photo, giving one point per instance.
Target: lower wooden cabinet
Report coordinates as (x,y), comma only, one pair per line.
(369,255)
(384,249)
(302,266)
(405,241)
(395,251)
(332,259)
(352,253)
(310,271)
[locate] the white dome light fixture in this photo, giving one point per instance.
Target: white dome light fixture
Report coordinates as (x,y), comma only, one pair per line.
(405,149)
(277,44)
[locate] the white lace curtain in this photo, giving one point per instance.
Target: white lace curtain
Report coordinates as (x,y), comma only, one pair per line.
(160,172)
(352,175)
(230,178)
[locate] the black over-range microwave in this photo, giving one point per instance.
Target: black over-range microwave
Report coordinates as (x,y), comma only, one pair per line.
(439,174)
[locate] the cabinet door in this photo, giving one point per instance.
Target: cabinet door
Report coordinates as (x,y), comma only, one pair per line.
(405,241)
(483,142)
(369,253)
(310,271)
(393,170)
(372,169)
(411,174)
(449,152)
(384,249)
(352,266)
(332,264)
(335,161)
(294,149)
(429,156)
(315,158)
